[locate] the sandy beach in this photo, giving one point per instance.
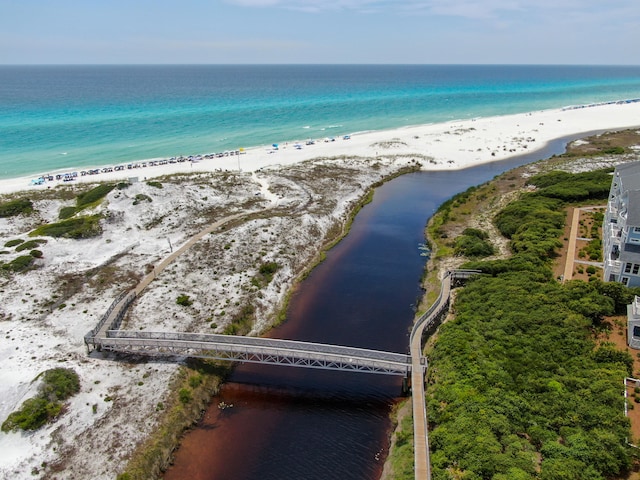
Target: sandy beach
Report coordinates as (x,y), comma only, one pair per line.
(451,145)
(303,195)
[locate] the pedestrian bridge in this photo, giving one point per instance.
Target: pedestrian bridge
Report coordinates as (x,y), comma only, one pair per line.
(107,336)
(254,350)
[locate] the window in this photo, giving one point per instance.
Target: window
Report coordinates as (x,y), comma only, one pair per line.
(625,280)
(636,267)
(636,229)
(627,267)
(636,331)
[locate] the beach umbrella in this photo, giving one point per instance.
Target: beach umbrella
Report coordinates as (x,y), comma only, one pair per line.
(275,145)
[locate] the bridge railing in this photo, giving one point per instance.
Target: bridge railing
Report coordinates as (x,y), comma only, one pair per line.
(271,343)
(121,302)
(436,307)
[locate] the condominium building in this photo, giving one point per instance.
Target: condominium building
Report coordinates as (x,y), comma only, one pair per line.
(621,229)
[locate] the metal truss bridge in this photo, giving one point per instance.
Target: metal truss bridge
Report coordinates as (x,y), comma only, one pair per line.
(254,350)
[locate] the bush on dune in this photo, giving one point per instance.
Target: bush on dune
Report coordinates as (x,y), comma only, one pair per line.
(81,227)
(16,207)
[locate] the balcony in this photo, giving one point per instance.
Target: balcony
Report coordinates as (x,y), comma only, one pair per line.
(613,267)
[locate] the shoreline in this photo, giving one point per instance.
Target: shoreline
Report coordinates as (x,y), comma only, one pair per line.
(451,145)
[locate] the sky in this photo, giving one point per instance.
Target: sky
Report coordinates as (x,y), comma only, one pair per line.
(320,31)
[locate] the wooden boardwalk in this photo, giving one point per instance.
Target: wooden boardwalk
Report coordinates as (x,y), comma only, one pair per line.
(422,462)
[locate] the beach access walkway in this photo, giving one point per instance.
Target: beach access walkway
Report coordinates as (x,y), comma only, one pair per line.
(573,240)
(422,462)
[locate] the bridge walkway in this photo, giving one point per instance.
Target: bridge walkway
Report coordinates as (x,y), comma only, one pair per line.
(257,350)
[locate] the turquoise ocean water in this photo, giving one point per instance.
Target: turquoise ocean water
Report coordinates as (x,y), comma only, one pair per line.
(54,117)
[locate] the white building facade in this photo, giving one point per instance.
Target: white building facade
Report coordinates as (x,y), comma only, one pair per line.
(633,324)
(621,228)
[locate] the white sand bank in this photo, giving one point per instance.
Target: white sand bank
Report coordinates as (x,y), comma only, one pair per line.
(451,145)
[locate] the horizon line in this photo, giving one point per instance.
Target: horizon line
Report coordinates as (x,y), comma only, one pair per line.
(320,64)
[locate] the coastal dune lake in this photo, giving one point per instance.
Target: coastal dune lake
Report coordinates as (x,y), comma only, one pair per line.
(295,423)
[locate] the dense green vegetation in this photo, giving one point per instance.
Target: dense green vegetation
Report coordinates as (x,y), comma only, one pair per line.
(573,187)
(86,199)
(58,384)
(91,196)
(16,207)
(519,375)
(473,243)
(30,244)
(19,264)
(67,212)
(80,227)
(14,242)
(519,388)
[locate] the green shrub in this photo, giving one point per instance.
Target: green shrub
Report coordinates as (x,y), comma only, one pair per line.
(154,184)
(475,232)
(519,358)
(265,274)
(591,270)
(123,185)
(241,322)
(67,212)
(141,197)
(195,380)
(36,253)
(13,243)
(614,150)
(473,243)
(33,413)
(185,395)
(184,300)
(30,244)
(93,195)
(16,207)
(19,264)
(58,384)
(81,227)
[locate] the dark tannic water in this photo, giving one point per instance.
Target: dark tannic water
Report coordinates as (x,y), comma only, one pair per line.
(294,423)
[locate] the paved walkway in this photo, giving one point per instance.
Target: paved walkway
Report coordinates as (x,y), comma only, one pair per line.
(571,248)
(573,238)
